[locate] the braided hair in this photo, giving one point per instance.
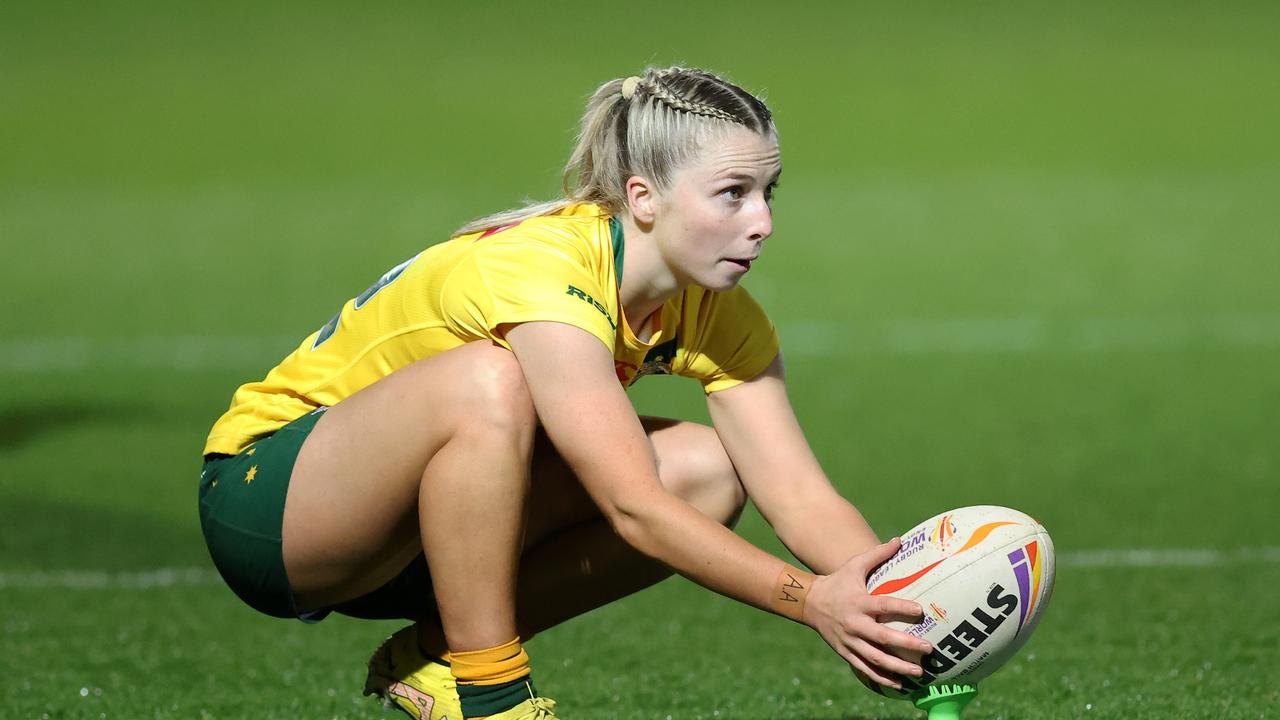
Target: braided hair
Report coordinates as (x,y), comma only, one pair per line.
(650,125)
(700,93)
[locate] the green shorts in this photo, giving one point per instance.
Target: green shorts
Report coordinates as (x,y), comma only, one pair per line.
(241,513)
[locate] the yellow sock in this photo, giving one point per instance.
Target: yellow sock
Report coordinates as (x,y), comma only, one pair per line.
(492,680)
(491,666)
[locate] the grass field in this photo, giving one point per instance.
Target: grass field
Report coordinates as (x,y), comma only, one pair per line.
(1024,255)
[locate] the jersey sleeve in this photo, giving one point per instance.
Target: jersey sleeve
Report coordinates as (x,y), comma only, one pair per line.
(517,278)
(732,340)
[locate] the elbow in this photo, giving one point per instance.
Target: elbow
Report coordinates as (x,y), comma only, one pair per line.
(631,523)
(631,530)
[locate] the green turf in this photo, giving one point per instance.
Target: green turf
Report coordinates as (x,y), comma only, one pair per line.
(1025,254)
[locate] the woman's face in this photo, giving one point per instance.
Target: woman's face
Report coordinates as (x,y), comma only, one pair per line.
(711,222)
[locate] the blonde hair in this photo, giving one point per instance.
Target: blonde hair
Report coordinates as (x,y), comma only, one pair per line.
(647,125)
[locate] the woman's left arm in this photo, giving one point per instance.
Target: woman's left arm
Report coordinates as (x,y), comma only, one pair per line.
(782,477)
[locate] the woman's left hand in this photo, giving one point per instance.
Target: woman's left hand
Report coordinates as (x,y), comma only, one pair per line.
(851,621)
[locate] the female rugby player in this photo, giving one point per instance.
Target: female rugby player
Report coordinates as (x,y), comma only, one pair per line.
(456,448)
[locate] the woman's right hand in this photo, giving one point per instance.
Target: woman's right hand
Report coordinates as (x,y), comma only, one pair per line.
(850,620)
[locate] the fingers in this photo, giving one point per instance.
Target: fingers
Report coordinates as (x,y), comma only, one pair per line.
(882,661)
(887,609)
(866,671)
(877,652)
(874,557)
(880,653)
(896,640)
(890,609)
(913,657)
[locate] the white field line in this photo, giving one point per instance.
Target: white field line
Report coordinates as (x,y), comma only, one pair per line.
(98,580)
(1139,558)
(811,338)
(175,577)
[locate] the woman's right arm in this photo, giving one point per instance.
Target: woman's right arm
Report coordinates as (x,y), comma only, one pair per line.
(588,417)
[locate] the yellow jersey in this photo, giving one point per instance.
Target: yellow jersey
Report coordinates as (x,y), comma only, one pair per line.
(565,267)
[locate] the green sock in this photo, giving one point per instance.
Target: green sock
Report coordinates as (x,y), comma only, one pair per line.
(486,700)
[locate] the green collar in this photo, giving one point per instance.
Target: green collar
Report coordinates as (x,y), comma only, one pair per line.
(615,230)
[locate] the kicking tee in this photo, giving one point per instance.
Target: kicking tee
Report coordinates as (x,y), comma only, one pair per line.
(564,267)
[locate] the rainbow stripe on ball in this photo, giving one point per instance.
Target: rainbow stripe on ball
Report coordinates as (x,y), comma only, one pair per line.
(1026,568)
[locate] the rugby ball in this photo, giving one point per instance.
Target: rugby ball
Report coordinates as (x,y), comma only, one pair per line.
(983,576)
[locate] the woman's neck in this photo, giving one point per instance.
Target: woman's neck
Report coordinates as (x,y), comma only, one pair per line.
(647,281)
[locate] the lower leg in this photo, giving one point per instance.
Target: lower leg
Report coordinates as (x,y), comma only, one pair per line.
(472,512)
(581,569)
(472,520)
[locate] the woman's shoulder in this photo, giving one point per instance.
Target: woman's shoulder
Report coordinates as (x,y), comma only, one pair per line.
(566,252)
(579,231)
(574,221)
(723,338)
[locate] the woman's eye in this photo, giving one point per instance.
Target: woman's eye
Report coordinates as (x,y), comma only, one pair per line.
(734,192)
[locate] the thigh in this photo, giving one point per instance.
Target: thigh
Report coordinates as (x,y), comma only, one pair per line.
(350,518)
(688,454)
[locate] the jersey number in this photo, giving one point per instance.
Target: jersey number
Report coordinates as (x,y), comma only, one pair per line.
(387,278)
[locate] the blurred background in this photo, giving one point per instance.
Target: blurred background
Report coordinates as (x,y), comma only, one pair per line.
(1025,254)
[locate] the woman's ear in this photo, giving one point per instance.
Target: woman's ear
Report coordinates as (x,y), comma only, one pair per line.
(641,198)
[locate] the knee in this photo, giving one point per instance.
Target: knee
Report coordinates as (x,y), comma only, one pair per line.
(495,397)
(703,475)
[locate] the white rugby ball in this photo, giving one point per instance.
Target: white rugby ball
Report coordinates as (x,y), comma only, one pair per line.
(983,576)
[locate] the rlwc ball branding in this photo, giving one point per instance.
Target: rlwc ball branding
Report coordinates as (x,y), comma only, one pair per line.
(938,612)
(943,531)
(924,627)
(916,541)
(912,543)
